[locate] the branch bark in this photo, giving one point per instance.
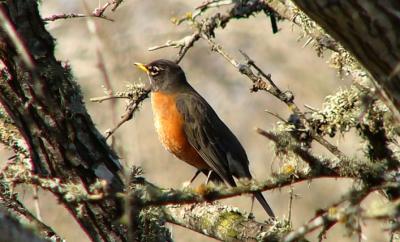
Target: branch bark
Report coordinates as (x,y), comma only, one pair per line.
(224,223)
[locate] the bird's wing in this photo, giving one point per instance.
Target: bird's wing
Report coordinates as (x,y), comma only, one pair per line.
(212,139)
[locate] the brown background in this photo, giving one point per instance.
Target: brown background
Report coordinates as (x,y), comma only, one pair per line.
(142,24)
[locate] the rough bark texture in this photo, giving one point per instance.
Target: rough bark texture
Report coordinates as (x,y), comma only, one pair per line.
(47,108)
(223,223)
(369,30)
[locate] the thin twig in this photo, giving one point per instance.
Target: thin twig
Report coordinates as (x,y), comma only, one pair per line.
(36,202)
(276,115)
(208,25)
(96,13)
(291,195)
(55,17)
(308,228)
(311,108)
(108,97)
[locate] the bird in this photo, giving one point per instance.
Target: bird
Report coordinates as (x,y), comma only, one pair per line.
(189,128)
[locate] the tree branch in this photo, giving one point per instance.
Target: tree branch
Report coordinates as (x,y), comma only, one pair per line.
(96,13)
(224,223)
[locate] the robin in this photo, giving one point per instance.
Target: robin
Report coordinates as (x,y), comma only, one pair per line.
(189,128)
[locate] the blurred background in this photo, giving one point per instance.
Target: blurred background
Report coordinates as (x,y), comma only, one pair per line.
(139,25)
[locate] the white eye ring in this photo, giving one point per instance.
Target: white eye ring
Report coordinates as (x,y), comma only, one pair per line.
(154,70)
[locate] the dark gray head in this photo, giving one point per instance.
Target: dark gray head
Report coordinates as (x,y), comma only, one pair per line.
(165,75)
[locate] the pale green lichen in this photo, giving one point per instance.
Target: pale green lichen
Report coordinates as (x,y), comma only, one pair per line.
(227,223)
(10,136)
(340,112)
(277,229)
(152,226)
(347,109)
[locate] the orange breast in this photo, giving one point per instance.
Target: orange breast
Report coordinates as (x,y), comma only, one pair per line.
(169,125)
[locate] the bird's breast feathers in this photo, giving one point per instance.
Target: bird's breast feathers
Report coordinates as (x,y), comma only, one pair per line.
(168,121)
(169,125)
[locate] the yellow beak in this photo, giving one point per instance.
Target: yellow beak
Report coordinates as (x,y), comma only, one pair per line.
(142,67)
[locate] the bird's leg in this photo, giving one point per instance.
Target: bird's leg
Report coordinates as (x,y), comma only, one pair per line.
(195,175)
(252,203)
(209,176)
(188,183)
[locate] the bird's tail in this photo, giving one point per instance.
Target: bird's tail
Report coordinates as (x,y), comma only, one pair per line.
(260,198)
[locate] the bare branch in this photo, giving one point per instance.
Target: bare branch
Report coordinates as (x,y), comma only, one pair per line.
(108,97)
(184,44)
(55,17)
(96,13)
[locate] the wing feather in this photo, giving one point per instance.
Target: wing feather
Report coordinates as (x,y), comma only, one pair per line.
(212,139)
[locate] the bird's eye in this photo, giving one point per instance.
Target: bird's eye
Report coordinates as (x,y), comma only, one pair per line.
(155,70)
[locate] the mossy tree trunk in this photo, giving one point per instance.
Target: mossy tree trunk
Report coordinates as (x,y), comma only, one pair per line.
(47,107)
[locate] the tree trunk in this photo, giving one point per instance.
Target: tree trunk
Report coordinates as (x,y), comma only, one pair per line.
(47,107)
